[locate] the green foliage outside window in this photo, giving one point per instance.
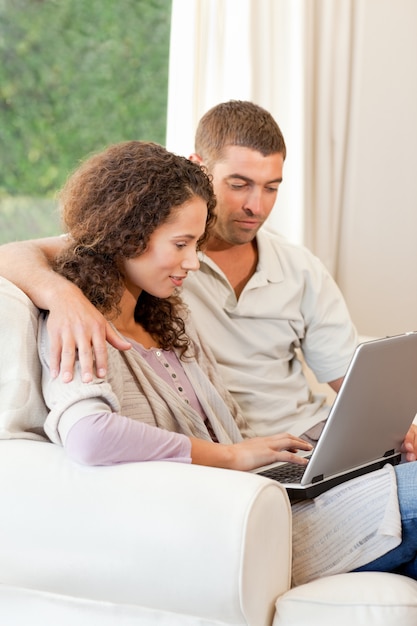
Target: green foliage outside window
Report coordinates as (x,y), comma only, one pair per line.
(75,76)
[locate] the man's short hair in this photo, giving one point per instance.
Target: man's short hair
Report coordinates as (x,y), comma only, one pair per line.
(237,123)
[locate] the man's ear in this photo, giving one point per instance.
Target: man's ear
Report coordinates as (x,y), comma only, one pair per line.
(196,158)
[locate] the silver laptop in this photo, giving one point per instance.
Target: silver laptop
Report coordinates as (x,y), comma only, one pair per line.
(367,423)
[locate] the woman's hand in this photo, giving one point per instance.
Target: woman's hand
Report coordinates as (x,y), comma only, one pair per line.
(250,453)
(76,326)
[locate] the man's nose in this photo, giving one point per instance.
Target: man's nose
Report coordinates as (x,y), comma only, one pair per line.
(254,201)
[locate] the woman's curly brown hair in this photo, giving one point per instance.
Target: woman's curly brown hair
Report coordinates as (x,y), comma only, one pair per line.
(110,207)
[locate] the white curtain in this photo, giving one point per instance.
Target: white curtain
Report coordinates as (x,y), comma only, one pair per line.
(340,77)
(244,50)
(297,59)
(332,78)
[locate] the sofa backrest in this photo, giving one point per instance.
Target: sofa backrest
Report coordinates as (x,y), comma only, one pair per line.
(22,409)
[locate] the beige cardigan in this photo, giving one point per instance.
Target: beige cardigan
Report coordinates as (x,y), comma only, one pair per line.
(133,389)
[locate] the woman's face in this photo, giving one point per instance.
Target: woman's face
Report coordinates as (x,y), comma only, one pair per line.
(171,252)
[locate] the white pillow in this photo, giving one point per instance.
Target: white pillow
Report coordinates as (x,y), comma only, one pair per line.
(22,409)
(354,599)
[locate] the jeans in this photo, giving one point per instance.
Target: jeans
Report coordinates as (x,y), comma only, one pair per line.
(403,559)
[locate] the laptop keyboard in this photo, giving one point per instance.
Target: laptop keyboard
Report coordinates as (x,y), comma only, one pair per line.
(287,473)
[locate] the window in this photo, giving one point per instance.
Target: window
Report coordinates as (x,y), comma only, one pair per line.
(75,76)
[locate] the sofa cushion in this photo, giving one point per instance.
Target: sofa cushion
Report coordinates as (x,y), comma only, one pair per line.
(22,410)
(368,598)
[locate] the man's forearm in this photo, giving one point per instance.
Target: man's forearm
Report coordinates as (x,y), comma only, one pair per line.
(27,264)
(75,326)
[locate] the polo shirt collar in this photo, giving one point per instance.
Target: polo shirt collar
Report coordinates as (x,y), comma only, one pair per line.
(269,263)
(269,268)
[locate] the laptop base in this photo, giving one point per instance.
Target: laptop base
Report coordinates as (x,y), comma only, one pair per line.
(306,492)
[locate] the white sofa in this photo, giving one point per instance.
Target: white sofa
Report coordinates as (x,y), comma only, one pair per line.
(150,543)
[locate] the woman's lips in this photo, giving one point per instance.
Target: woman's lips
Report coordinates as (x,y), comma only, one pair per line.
(178,280)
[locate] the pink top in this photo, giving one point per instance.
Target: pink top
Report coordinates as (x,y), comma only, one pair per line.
(110,438)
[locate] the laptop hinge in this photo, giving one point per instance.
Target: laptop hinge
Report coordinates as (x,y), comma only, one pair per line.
(318,478)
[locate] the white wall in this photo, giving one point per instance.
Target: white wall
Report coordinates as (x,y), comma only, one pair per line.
(378,262)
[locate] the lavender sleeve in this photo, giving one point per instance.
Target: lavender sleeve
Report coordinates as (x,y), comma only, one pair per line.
(109,438)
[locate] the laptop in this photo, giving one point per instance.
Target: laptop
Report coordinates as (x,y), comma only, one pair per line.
(367,422)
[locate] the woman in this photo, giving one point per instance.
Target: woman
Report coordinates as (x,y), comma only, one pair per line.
(136,215)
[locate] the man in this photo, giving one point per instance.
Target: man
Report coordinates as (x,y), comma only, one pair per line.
(255,300)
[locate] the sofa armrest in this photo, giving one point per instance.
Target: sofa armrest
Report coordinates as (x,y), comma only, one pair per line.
(189,539)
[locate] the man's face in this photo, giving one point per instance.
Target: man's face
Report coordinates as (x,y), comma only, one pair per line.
(246,186)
